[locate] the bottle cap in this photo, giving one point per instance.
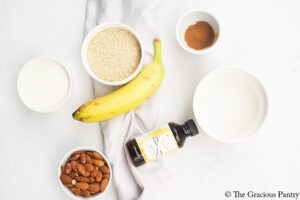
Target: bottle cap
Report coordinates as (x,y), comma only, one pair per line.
(192,127)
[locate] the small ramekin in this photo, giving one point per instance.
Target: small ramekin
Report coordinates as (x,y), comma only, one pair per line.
(192,17)
(67,190)
(86,43)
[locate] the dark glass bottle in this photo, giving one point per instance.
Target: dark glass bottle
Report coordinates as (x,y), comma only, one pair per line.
(151,146)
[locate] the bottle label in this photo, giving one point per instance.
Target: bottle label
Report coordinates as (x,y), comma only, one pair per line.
(157,143)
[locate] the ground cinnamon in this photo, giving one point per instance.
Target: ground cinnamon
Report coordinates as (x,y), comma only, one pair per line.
(199,36)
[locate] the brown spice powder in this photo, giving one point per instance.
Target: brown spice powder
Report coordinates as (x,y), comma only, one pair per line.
(199,36)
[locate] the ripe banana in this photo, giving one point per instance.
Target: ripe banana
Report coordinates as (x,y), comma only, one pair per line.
(128,97)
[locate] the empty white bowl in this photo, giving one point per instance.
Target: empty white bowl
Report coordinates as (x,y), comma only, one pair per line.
(230,105)
(67,190)
(190,18)
(86,43)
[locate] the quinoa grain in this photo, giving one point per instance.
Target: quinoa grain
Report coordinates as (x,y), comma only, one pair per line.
(114,54)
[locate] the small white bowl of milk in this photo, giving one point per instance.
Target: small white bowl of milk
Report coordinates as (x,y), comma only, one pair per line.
(44,84)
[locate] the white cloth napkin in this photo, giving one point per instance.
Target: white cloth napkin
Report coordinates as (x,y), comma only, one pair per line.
(150,181)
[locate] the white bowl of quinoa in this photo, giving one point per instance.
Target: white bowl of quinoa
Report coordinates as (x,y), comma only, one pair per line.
(112,53)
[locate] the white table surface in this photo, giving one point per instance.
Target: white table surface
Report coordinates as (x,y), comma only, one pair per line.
(259,36)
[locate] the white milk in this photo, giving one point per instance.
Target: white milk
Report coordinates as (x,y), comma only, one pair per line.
(43,84)
(230,105)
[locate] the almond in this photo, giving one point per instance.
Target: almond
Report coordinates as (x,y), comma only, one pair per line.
(88,159)
(82,185)
(85,193)
(68,168)
(75,157)
(75,190)
(82,158)
(63,169)
(81,169)
(77,152)
(103,184)
(90,154)
(91,180)
(65,179)
(94,172)
(82,179)
(98,163)
(106,176)
(87,174)
(98,176)
(69,185)
(74,165)
(98,155)
(104,169)
(94,187)
(88,167)
(73,174)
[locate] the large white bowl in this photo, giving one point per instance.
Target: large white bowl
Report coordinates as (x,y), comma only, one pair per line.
(64,161)
(192,17)
(230,105)
(86,43)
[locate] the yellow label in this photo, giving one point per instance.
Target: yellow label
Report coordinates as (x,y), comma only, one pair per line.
(157,144)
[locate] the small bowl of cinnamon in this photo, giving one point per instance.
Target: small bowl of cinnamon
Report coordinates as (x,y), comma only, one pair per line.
(197,32)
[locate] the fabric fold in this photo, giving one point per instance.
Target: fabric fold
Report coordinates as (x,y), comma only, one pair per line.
(150,181)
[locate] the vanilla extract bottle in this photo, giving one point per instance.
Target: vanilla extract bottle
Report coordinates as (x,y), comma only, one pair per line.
(157,143)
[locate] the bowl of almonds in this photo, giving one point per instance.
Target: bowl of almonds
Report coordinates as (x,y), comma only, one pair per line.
(84,172)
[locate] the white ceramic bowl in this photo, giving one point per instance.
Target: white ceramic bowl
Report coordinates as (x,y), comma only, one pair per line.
(230,105)
(63,162)
(90,36)
(192,17)
(30,99)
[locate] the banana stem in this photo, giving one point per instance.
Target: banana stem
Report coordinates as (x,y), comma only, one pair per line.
(157,50)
